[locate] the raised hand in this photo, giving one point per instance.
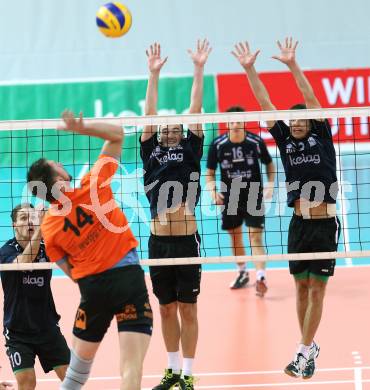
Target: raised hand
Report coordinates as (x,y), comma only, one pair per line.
(243,54)
(201,54)
(287,51)
(71,123)
(155,62)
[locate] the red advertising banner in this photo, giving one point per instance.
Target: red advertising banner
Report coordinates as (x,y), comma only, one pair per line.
(333,88)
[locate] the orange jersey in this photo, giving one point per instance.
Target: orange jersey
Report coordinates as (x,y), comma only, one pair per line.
(86,226)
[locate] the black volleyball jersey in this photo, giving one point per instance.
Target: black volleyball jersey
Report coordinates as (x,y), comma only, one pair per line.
(238,161)
(172,174)
(309,164)
(28,301)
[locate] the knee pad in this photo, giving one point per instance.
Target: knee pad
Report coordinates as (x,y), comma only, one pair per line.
(77,373)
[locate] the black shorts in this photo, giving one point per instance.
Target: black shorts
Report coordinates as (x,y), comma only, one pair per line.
(175,282)
(252,213)
(233,221)
(313,235)
(119,292)
(52,350)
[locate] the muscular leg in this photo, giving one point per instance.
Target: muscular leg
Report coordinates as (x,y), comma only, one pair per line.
(237,244)
(61,371)
(316,294)
(256,243)
(82,356)
(133,348)
(189,328)
(301,300)
(26,379)
(170,326)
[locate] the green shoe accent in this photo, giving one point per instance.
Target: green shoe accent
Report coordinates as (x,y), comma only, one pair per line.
(169,381)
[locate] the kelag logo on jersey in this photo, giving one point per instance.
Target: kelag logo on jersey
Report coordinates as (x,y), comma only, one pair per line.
(34,280)
(173,154)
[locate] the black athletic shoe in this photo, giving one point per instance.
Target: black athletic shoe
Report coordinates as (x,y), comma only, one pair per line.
(187,383)
(310,366)
(296,366)
(169,381)
(241,280)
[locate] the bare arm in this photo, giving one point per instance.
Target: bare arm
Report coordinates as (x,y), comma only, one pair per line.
(199,58)
(247,59)
(287,57)
(112,134)
(155,63)
(66,267)
(217,197)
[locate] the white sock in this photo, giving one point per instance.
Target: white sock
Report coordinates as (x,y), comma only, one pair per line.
(242,267)
(187,366)
(304,350)
(260,274)
(174,361)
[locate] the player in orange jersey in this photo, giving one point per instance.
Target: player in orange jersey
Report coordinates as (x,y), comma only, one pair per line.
(88,236)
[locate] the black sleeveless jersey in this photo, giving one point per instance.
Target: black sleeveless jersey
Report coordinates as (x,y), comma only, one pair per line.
(309,163)
(172,174)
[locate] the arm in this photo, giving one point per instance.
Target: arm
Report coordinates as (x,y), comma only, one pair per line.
(287,57)
(66,267)
(155,63)
(199,58)
(247,59)
(270,171)
(217,197)
(112,134)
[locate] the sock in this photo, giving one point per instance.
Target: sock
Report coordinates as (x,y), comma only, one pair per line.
(304,350)
(77,373)
(187,366)
(242,267)
(260,274)
(174,361)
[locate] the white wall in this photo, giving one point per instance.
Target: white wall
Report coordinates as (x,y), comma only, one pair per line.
(54,39)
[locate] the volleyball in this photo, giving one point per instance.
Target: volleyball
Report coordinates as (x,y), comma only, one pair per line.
(113,19)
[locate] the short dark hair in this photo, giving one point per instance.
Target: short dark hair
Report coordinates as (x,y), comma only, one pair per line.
(235,109)
(41,170)
(15,211)
(299,106)
(302,106)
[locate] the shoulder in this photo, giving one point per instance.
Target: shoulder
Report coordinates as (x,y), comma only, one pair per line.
(8,249)
(220,140)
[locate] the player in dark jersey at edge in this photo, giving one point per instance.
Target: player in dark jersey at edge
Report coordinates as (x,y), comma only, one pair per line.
(308,156)
(171,162)
(87,234)
(30,319)
(239,153)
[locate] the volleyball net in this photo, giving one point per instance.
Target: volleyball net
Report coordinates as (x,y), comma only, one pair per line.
(23,142)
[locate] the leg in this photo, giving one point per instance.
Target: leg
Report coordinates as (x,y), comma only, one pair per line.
(316,294)
(301,300)
(256,243)
(257,248)
(78,371)
(189,328)
(26,380)
(170,326)
(133,348)
(237,246)
(61,371)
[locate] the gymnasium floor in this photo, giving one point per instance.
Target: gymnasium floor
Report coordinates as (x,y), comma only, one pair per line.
(245,341)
